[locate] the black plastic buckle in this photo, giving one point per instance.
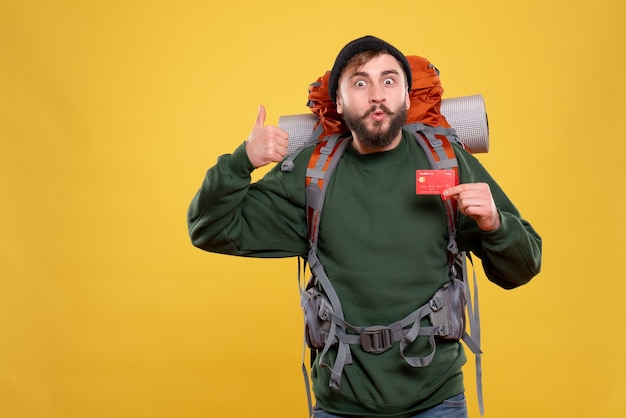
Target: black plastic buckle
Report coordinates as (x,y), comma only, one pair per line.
(376,340)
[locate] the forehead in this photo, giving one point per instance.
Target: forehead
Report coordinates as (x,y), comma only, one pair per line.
(379,64)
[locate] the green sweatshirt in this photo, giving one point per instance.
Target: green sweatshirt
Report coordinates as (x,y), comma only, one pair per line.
(383,248)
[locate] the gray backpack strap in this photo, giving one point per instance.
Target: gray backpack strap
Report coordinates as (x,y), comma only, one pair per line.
(458,265)
(336,334)
(473,340)
(315,192)
(316,187)
(444,162)
(335,146)
(305,373)
(429,133)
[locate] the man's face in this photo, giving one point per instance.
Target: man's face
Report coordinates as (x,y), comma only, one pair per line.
(373,100)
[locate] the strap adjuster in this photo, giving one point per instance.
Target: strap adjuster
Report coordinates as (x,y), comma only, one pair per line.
(436,303)
(376,340)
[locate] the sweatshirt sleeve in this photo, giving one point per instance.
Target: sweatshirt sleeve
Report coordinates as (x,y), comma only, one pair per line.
(510,255)
(231,215)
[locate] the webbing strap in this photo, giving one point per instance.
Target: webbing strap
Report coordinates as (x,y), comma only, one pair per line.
(318,163)
(305,373)
(416,330)
(473,340)
(396,332)
(343,353)
(442,154)
(443,150)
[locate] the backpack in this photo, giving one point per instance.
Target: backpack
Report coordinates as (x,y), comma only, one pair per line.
(325,325)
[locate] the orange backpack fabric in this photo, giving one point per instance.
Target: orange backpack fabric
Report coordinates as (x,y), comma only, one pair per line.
(320,103)
(425,95)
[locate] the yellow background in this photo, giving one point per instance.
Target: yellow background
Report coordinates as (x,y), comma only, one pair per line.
(110,113)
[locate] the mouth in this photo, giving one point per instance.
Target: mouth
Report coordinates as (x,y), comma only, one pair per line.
(378,115)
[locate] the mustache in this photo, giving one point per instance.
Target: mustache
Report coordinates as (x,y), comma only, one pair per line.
(380,107)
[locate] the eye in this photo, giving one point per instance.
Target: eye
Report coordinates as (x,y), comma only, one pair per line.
(359,83)
(389,81)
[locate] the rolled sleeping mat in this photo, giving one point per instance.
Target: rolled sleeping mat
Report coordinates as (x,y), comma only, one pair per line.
(467,115)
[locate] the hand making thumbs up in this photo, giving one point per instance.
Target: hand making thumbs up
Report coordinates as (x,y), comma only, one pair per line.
(266,144)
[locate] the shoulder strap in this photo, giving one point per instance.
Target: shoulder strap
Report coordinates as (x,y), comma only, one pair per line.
(320,168)
(436,143)
(322,163)
(438,149)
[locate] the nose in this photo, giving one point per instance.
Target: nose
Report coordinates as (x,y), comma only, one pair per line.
(377,93)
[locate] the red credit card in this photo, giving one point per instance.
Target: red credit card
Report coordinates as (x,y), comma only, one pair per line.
(434,181)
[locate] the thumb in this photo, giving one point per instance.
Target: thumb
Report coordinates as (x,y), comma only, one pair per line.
(260,118)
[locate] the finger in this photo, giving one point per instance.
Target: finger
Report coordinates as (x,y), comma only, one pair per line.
(465,190)
(278,156)
(281,150)
(283,141)
(260,117)
(280,135)
(452,192)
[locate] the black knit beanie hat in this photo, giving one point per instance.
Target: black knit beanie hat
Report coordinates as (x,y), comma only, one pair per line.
(366,43)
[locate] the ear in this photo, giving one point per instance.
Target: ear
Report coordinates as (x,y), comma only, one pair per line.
(407,100)
(339,103)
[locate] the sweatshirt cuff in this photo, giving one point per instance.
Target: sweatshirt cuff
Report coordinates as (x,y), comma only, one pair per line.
(500,237)
(239,163)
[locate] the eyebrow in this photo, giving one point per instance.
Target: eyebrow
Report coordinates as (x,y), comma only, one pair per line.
(366,74)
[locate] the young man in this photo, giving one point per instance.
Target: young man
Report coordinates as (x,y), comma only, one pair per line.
(383,247)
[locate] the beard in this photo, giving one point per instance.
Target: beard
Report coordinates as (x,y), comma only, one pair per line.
(376,137)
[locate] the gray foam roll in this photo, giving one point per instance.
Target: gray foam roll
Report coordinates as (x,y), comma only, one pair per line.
(467,115)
